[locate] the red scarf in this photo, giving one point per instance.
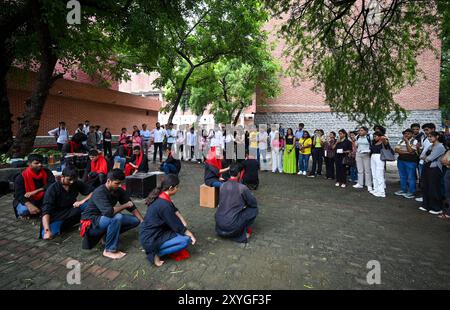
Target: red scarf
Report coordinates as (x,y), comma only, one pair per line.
(73,145)
(29,176)
(164,196)
(127,150)
(85,224)
(99,166)
(213,160)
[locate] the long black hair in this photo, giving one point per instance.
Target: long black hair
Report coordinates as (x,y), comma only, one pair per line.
(168,181)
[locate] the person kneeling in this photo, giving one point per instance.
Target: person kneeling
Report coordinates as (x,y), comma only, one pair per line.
(237,209)
(137,162)
(30,187)
(60,209)
(102,216)
(213,169)
(96,170)
(171,165)
(164,230)
(250,170)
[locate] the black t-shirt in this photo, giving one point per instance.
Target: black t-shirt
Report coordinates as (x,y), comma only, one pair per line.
(103,202)
(57,199)
(376,148)
(345,145)
(211,174)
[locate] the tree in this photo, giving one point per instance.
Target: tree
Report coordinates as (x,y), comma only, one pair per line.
(444,89)
(228,86)
(360,53)
(98,46)
(205,32)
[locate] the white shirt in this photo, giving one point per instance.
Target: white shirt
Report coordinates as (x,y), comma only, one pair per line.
(191,139)
(159,135)
(180,137)
(426,145)
(262,140)
(86,129)
(63,135)
(145,134)
(229,138)
(171,135)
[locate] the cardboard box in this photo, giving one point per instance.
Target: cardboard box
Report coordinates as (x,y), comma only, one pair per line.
(209,196)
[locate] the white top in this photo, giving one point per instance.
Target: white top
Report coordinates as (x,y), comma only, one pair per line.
(229,138)
(158,135)
(180,137)
(86,129)
(171,135)
(363,145)
(426,145)
(145,134)
(191,139)
(262,140)
(62,134)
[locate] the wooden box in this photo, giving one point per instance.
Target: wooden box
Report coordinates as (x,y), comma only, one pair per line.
(209,196)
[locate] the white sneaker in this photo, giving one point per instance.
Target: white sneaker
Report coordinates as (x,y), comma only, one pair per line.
(337,184)
(423,209)
(304,172)
(420,199)
(400,193)
(370,189)
(357,185)
(300,172)
(435,212)
(380,195)
(343,185)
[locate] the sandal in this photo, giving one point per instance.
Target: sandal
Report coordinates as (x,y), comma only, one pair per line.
(444,216)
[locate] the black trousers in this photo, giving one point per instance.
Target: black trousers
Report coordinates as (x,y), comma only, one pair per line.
(107,149)
(317,156)
(329,166)
(60,146)
(431,187)
(341,171)
(158,146)
(297,152)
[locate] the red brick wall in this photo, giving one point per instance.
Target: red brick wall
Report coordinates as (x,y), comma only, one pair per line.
(424,95)
(75,102)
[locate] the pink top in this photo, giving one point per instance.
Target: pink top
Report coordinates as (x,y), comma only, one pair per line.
(137,141)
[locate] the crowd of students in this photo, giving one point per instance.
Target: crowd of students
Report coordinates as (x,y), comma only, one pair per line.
(360,155)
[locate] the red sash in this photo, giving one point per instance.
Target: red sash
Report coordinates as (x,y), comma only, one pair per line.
(84,227)
(99,166)
(29,176)
(213,160)
(164,196)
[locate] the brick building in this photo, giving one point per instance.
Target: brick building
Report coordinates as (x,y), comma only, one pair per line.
(75,101)
(300,104)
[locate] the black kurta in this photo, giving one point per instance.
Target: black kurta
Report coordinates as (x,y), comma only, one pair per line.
(160,225)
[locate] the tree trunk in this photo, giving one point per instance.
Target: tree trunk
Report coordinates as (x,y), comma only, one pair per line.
(236,118)
(180,92)
(6,136)
(29,122)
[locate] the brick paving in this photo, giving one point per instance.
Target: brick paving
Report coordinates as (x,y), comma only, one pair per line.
(309,235)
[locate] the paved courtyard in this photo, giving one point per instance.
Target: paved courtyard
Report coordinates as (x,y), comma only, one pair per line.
(309,235)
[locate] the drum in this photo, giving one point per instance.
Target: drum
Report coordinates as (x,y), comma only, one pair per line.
(70,160)
(81,161)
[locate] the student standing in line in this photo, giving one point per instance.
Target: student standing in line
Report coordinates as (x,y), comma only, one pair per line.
(158,134)
(329,154)
(107,143)
(61,134)
(407,164)
(363,142)
(342,148)
(317,153)
(289,165)
(304,146)
(377,166)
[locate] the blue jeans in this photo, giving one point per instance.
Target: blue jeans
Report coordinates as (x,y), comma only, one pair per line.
(174,245)
(113,227)
(121,160)
(353,174)
(55,227)
(303,162)
(216,184)
(407,173)
(22,210)
(168,168)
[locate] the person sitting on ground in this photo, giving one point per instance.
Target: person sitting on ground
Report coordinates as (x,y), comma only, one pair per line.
(164,230)
(74,145)
(61,209)
(30,187)
(137,162)
(123,153)
(102,216)
(237,209)
(213,169)
(250,170)
(170,165)
(96,170)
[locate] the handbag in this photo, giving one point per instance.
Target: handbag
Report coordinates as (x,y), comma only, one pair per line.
(349,160)
(387,153)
